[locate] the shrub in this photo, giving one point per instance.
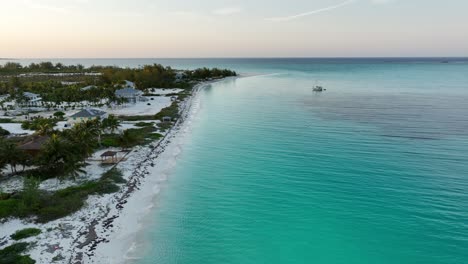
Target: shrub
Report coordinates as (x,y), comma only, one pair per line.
(4,132)
(25,233)
(51,206)
(59,114)
(171,111)
(110,140)
(137,118)
(12,254)
(6,120)
(115,175)
(144,124)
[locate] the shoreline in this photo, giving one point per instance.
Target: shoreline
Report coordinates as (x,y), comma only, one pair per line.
(112,237)
(106,229)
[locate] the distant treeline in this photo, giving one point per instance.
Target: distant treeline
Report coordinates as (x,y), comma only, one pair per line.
(12,68)
(109,79)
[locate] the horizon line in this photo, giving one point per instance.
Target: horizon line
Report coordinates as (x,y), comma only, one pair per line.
(241,57)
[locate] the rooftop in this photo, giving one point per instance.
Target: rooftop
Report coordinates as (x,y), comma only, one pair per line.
(128,91)
(89,113)
(35,143)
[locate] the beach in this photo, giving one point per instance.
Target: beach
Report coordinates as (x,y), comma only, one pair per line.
(106,228)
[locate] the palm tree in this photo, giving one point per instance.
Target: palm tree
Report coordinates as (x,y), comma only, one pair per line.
(84,136)
(61,157)
(44,127)
(111,123)
(127,139)
(11,155)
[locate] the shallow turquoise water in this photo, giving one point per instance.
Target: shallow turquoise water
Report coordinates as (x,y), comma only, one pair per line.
(375,170)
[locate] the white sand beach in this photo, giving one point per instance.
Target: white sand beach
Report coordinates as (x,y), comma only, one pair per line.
(105,230)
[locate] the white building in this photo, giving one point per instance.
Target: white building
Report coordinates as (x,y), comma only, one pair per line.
(131,94)
(32,99)
(87,115)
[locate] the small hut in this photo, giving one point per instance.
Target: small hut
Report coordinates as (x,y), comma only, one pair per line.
(109,157)
(34,145)
(167,119)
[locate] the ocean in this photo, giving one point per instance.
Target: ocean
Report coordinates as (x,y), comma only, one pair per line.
(373,170)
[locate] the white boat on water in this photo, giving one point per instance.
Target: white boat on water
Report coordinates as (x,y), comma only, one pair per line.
(318,88)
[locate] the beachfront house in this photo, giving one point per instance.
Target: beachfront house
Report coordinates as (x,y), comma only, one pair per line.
(87,115)
(32,99)
(130,94)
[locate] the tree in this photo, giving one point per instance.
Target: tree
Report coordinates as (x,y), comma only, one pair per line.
(11,155)
(59,114)
(44,127)
(61,157)
(127,139)
(4,132)
(84,136)
(111,123)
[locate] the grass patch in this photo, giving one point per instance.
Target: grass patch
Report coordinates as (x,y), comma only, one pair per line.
(25,233)
(7,121)
(114,175)
(163,126)
(110,140)
(171,111)
(48,206)
(137,118)
(144,124)
(12,254)
(144,135)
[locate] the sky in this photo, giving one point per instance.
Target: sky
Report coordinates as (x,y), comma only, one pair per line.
(232,28)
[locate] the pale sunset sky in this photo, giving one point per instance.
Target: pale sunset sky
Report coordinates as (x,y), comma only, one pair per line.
(232,28)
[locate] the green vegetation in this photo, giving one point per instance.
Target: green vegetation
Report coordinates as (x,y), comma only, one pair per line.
(43,67)
(43,126)
(63,154)
(12,254)
(6,120)
(205,73)
(146,77)
(137,118)
(59,115)
(11,155)
(144,124)
(59,91)
(110,140)
(25,233)
(164,126)
(48,206)
(4,132)
(171,111)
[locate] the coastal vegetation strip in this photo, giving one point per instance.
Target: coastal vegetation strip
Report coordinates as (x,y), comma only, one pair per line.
(64,153)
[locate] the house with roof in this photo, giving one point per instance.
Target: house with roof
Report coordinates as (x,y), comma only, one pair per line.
(32,98)
(87,115)
(33,145)
(130,94)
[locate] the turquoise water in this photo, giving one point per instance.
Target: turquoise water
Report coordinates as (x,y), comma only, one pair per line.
(375,170)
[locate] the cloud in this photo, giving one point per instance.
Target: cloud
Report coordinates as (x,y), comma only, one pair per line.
(227,11)
(313,12)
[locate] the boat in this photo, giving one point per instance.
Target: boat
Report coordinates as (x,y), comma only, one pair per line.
(318,88)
